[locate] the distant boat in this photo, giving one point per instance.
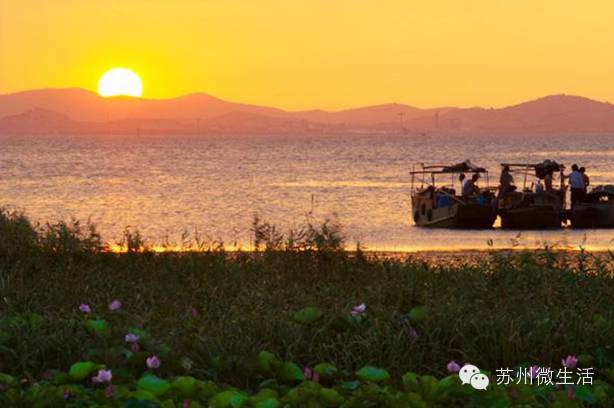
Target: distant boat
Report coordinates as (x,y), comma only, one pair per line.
(528,209)
(596,210)
(438,206)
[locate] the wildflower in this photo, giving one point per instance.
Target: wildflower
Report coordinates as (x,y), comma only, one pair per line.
(533,372)
(134,347)
(108,392)
(104,376)
(153,362)
(67,395)
(453,367)
(571,392)
(413,333)
(131,338)
(569,361)
(359,309)
(308,373)
(85,308)
(115,305)
(186,403)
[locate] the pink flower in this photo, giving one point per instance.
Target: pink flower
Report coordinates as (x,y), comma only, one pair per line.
(533,372)
(134,347)
(359,309)
(153,362)
(104,376)
(413,333)
(571,392)
(85,308)
(569,361)
(115,305)
(453,367)
(108,392)
(131,338)
(308,373)
(67,395)
(185,404)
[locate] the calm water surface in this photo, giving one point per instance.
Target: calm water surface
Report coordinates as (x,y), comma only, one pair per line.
(217,184)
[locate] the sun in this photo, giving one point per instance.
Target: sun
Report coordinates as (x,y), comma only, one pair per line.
(120,81)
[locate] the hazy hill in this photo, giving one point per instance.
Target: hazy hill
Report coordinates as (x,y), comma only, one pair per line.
(550,114)
(83,105)
(81,111)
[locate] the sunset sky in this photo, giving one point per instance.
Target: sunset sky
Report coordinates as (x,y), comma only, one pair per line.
(317,53)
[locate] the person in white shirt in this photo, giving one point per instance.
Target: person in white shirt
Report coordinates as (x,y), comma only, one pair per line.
(576,183)
(470,188)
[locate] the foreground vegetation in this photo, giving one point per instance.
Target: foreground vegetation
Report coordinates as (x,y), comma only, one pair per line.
(299,323)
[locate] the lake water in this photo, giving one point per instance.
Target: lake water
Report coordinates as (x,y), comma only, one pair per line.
(217,184)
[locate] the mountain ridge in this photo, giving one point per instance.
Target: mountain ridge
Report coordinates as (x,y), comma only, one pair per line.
(80,110)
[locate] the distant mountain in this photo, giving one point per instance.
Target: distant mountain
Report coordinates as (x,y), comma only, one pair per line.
(80,111)
(550,114)
(83,105)
(37,121)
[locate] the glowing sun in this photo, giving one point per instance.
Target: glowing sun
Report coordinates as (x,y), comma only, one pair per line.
(120,81)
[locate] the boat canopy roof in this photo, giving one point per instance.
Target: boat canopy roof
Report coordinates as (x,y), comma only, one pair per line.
(602,191)
(541,169)
(464,167)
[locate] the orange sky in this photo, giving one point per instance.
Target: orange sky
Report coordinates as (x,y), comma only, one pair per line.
(299,54)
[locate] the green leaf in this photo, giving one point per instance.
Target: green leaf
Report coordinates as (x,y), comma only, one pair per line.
(330,397)
(416,401)
(97,326)
(350,385)
(583,394)
(228,399)
(373,374)
(325,370)
(290,373)
(186,385)
(268,403)
(430,387)
(6,379)
(417,314)
(153,384)
(206,389)
(140,403)
(410,380)
(81,370)
(308,315)
(266,362)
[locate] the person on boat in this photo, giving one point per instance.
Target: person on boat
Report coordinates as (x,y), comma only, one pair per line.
(587,181)
(576,182)
(470,187)
(548,181)
(506,181)
(539,187)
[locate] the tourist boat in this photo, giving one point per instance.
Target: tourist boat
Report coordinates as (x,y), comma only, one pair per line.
(596,210)
(529,209)
(438,206)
